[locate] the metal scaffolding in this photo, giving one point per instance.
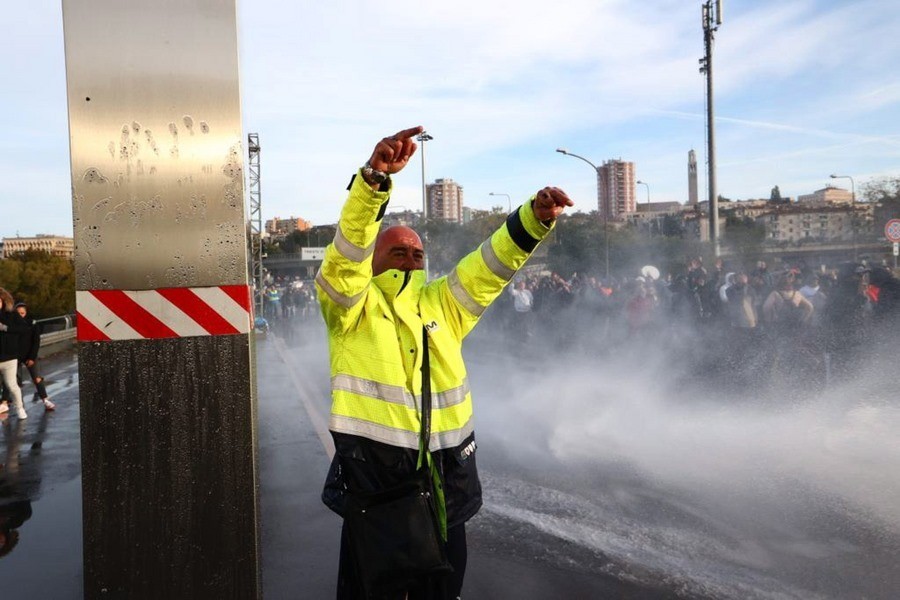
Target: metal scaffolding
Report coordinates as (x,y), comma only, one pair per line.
(256,256)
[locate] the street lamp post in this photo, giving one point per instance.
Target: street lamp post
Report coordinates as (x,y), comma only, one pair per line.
(648,190)
(649,226)
(852,185)
(422,138)
(508,199)
(604,209)
(852,210)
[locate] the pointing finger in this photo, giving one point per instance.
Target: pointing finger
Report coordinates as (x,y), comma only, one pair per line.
(407,133)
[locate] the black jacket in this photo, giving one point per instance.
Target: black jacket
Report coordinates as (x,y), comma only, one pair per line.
(30,341)
(16,327)
(361,464)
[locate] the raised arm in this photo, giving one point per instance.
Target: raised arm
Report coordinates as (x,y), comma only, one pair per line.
(346,271)
(479,277)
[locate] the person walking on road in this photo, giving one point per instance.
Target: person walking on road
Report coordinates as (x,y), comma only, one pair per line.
(376,303)
(12,327)
(523,304)
(29,346)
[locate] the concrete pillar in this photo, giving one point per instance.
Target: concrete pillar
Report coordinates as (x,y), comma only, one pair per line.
(168,413)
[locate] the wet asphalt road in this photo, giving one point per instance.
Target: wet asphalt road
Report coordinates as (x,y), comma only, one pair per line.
(557,522)
(41,475)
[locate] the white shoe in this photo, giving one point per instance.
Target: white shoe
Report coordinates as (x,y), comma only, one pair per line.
(20,412)
(49,405)
(4,408)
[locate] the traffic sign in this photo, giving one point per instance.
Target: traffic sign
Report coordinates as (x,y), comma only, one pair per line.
(892,230)
(896,248)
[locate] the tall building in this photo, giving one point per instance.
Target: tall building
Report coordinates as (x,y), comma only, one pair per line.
(445,200)
(56,245)
(615,182)
(280,227)
(692,178)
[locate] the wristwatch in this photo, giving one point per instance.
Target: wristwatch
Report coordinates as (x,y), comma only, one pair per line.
(373,175)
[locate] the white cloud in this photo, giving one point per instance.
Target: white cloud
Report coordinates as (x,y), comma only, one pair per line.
(799,91)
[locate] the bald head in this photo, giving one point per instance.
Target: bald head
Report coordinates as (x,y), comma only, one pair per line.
(398,247)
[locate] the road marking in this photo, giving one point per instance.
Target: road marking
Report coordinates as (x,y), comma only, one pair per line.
(318,420)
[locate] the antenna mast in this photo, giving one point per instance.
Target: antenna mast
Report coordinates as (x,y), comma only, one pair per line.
(712,18)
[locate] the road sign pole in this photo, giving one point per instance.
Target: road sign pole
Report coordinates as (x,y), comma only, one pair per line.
(892,234)
(168,413)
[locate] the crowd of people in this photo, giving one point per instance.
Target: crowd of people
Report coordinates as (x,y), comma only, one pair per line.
(20,340)
(284,297)
(794,321)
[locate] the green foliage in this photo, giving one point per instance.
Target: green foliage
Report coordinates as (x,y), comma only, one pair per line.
(883,190)
(45,282)
(885,194)
(744,236)
(775,196)
(581,246)
(314,237)
(577,244)
(446,242)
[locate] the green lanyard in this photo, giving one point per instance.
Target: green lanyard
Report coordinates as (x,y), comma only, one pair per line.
(425,436)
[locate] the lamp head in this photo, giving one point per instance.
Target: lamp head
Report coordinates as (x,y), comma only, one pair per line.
(562,150)
(833,176)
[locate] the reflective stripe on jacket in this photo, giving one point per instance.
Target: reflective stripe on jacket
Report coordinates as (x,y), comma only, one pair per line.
(375,327)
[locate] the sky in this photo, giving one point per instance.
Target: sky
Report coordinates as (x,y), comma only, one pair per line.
(803,89)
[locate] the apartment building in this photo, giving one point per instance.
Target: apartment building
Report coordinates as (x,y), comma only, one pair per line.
(444,198)
(56,245)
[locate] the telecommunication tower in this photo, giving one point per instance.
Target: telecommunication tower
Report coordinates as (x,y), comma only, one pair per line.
(712,18)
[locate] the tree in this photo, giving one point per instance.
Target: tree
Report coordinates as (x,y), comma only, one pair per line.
(673,226)
(45,282)
(744,236)
(775,196)
(885,194)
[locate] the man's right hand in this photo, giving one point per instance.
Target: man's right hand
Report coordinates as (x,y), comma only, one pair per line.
(393,153)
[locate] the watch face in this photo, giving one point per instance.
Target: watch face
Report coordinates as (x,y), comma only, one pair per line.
(376,176)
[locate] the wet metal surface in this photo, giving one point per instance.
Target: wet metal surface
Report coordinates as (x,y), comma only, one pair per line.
(167,425)
(156,144)
(169,475)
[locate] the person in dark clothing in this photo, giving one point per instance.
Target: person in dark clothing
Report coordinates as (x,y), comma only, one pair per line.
(29,346)
(12,327)
(886,309)
(845,318)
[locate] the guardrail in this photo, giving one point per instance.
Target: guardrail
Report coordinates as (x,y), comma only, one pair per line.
(58,334)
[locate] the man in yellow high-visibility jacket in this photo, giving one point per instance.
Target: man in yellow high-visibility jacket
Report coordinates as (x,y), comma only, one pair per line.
(375,302)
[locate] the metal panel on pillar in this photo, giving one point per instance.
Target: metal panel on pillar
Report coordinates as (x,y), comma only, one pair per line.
(168,412)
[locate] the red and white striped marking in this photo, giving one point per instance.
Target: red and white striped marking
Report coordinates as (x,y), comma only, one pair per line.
(105,315)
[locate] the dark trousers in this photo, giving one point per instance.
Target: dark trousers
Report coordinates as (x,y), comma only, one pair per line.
(36,378)
(448,587)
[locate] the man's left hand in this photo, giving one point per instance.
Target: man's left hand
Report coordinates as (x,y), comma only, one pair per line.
(550,202)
